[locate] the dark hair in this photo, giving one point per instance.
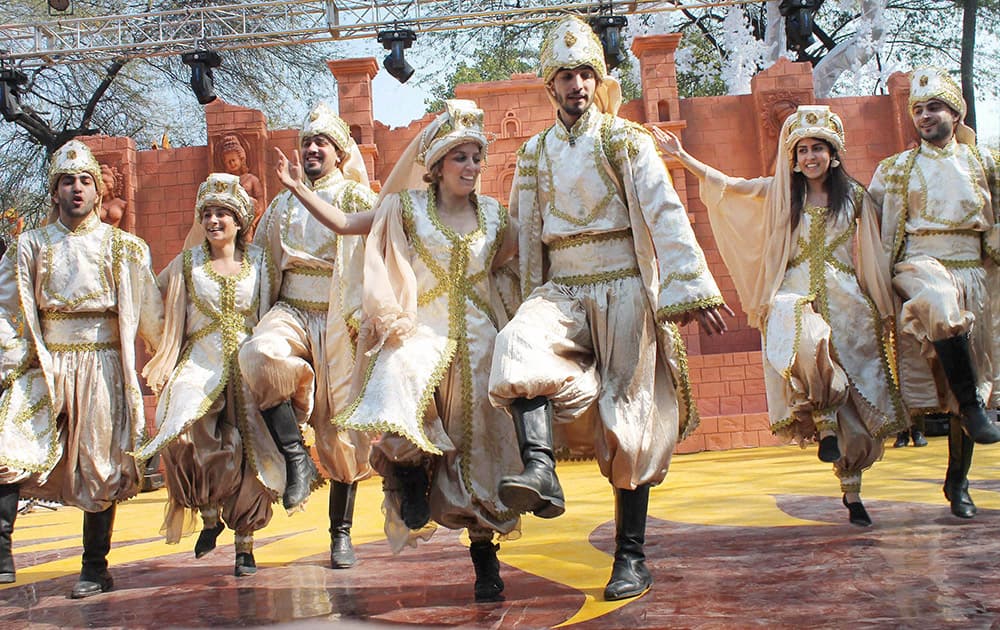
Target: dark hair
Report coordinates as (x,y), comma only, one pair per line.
(433,174)
(838,185)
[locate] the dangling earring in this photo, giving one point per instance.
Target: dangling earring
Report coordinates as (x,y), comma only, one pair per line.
(834,163)
(797,169)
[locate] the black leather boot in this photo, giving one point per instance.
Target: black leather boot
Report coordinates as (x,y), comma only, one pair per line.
(9,494)
(413,483)
(536,489)
(206,539)
(94,577)
(489,586)
(299,467)
(956,480)
(629,575)
(902,439)
(245,563)
(341,518)
(956,361)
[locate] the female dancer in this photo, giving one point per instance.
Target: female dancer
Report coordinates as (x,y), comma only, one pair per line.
(431,313)
(803,251)
(220,459)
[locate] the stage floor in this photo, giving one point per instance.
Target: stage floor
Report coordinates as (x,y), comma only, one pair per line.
(747,538)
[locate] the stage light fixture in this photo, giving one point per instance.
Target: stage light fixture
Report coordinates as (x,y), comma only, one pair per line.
(202,84)
(59,5)
(609,31)
(799,22)
(396,41)
(10,105)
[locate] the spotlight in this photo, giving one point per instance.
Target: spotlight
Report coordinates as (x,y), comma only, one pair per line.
(202,62)
(58,5)
(799,24)
(10,80)
(396,41)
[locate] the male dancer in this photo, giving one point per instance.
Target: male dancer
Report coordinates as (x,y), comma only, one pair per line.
(299,360)
(939,214)
(73,297)
(609,263)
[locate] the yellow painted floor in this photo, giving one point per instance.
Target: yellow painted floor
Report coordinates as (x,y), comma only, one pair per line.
(735,539)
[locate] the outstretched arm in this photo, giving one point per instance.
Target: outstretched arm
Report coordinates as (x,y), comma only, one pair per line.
(669,143)
(290,175)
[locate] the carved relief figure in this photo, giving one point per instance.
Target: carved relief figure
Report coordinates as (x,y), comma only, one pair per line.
(113,207)
(234,161)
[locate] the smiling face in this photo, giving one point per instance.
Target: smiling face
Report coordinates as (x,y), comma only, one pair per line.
(935,121)
(220,225)
(812,157)
(460,168)
(573,89)
(233,162)
(319,156)
(75,197)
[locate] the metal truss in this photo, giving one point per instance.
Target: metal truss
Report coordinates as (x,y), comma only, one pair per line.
(259,24)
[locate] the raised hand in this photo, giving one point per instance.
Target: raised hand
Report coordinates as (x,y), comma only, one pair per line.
(668,142)
(289,173)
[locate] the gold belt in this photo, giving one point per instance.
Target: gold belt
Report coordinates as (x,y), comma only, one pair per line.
(300,286)
(589,259)
(80,332)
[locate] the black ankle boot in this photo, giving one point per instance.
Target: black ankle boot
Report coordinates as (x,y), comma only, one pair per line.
(341,518)
(414,508)
(629,575)
(9,495)
(94,577)
(857,514)
(489,586)
(918,437)
(207,538)
(956,361)
(299,468)
(245,564)
(829,449)
(902,439)
(536,489)
(956,480)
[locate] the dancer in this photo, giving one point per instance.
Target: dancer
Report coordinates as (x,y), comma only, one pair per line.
(431,314)
(608,263)
(74,295)
(804,253)
(939,225)
(219,459)
(298,361)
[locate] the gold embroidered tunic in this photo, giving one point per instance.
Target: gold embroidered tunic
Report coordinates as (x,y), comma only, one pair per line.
(428,391)
(71,306)
(607,253)
(303,350)
(826,349)
(216,448)
(939,218)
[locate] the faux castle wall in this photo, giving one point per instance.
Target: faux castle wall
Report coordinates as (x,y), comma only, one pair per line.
(737,134)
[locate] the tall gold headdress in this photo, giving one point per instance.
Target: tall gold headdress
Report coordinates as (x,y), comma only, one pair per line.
(814,121)
(224,190)
(74,158)
(572,43)
(322,120)
(930,83)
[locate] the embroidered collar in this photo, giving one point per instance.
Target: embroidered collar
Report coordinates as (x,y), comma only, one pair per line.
(327,180)
(86,227)
(935,152)
(579,128)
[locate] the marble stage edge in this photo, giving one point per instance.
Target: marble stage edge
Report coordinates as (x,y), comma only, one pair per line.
(735,539)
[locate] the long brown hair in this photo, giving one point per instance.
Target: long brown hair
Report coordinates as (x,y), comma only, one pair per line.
(838,186)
